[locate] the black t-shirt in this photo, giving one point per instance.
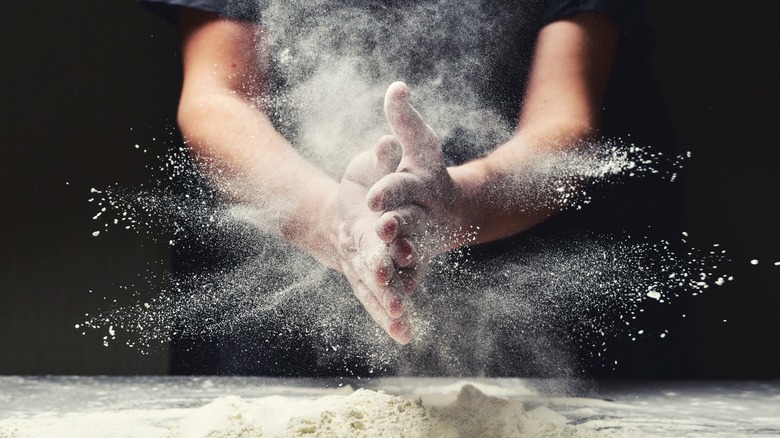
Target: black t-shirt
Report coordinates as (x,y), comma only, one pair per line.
(632,106)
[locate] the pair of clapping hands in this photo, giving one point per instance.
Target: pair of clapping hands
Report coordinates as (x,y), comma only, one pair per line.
(396,211)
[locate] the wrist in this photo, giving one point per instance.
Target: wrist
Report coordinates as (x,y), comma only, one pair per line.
(466,221)
(312,226)
(326,236)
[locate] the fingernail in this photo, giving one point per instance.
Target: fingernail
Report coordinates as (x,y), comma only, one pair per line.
(375,202)
(400,332)
(396,307)
(387,230)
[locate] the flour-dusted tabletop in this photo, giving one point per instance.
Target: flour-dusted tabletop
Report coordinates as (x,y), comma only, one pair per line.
(170,406)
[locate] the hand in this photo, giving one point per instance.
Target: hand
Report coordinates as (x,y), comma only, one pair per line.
(365,259)
(416,202)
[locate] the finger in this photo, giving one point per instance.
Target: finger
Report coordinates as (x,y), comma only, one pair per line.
(397,328)
(389,283)
(420,143)
(367,259)
(403,254)
(361,170)
(400,248)
(410,278)
(387,154)
(400,331)
(404,221)
(390,293)
(368,167)
(407,262)
(395,190)
(384,283)
(389,304)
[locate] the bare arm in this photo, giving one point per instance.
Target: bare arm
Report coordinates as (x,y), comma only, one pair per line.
(221,114)
(225,123)
(562,105)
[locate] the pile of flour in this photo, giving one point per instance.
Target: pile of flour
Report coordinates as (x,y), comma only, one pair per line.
(368,413)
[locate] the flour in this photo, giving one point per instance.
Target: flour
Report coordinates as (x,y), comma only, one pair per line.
(368,413)
(476,414)
(175,407)
(226,417)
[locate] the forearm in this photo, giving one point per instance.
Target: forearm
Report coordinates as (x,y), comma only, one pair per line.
(226,76)
(504,194)
(250,163)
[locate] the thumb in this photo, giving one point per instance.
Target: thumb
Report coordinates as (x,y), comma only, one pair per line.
(419,143)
